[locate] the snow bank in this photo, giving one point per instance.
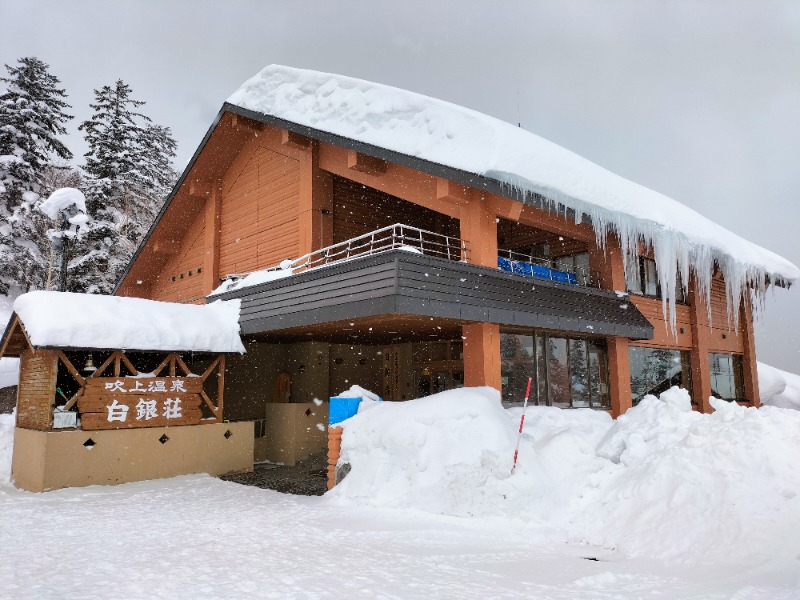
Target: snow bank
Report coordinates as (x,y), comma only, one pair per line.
(61,319)
(7,422)
(778,388)
(451,135)
(661,481)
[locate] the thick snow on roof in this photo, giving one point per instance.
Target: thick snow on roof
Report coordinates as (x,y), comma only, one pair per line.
(457,137)
(66,320)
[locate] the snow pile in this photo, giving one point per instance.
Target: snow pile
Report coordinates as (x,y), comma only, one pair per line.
(9,372)
(255,278)
(778,388)
(67,320)
(661,481)
(7,423)
(64,199)
(457,137)
(356,391)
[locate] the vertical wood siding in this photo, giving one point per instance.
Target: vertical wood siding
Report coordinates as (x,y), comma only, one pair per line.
(189,259)
(260,209)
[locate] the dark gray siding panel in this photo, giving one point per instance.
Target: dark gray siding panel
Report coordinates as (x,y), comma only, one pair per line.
(405,283)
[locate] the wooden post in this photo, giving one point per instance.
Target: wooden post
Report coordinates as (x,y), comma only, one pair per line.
(749,364)
(608,267)
(619,375)
(701,339)
(482,354)
(211,233)
(479,230)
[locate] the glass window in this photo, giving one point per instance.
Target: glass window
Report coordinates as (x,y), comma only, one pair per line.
(649,277)
(598,374)
(557,372)
(579,373)
(642,279)
(516,365)
(566,372)
(727,376)
(655,370)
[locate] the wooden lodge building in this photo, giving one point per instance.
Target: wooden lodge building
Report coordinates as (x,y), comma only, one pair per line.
(401,280)
(358,263)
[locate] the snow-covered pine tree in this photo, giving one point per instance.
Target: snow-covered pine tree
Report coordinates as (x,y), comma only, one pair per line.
(128,174)
(32,116)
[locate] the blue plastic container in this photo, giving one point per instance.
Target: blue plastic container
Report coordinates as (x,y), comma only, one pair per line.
(342,408)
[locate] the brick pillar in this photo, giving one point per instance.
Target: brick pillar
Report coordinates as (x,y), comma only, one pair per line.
(482,354)
(334,450)
(701,338)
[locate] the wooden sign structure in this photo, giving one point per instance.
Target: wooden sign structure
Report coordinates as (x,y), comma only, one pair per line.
(149,400)
(122,402)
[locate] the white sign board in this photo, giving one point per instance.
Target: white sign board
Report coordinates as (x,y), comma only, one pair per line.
(63,420)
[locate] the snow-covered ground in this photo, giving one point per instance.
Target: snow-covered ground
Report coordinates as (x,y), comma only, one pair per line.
(672,504)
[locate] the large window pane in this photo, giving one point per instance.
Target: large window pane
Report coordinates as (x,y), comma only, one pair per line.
(558,371)
(655,370)
(727,380)
(516,365)
(579,373)
(598,375)
(541,371)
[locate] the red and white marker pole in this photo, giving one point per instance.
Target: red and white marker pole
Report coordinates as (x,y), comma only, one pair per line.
(521,424)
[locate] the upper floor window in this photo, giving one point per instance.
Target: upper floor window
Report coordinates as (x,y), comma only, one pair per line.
(643,280)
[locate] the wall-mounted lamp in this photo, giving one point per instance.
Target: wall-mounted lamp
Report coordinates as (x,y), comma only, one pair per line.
(89,366)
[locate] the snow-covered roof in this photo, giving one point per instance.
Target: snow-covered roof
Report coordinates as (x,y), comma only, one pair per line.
(447,134)
(67,320)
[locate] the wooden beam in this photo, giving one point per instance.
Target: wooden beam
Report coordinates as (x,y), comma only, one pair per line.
(126,361)
(365,164)
(71,369)
(211,234)
(450,191)
(220,387)
(243,123)
(295,140)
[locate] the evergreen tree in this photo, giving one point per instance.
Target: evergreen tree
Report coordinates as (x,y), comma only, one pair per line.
(32,116)
(128,174)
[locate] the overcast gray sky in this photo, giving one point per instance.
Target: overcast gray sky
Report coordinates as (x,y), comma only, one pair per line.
(698,100)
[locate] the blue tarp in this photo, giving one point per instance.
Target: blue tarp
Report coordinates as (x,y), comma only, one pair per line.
(520,267)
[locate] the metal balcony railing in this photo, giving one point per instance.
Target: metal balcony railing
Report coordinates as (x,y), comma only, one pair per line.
(542,268)
(392,237)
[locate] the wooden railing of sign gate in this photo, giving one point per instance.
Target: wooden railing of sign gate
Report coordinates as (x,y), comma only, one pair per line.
(172,363)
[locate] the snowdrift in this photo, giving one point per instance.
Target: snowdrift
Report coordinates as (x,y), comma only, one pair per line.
(662,481)
(778,388)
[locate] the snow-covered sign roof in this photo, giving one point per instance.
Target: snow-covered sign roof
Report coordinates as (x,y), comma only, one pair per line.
(447,134)
(66,320)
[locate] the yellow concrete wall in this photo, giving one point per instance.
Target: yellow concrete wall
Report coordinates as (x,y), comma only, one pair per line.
(290,435)
(49,460)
